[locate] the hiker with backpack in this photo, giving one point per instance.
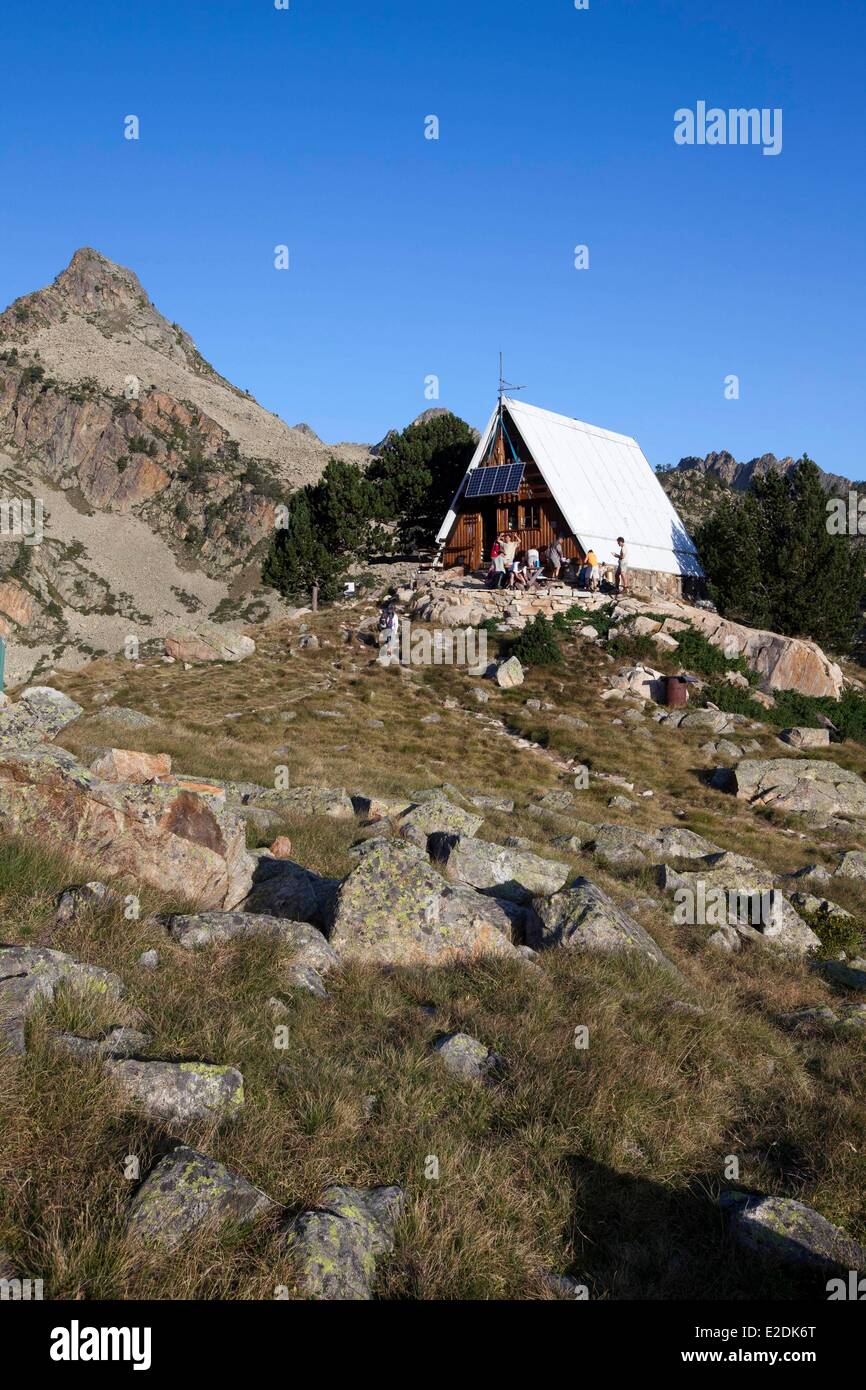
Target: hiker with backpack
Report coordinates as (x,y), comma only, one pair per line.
(388,627)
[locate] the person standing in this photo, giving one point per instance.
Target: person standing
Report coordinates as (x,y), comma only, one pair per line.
(621,578)
(591,565)
(554,557)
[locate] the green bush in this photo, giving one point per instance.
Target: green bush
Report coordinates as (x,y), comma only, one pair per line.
(626,648)
(140,444)
(599,618)
(793,709)
(836,934)
(696,653)
(537,644)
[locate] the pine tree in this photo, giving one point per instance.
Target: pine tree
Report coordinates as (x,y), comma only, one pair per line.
(771,561)
(298,558)
(417,474)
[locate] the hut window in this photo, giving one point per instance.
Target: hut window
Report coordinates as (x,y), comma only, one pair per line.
(512,519)
(531,516)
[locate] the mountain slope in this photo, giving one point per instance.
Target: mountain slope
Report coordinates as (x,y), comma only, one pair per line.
(109,407)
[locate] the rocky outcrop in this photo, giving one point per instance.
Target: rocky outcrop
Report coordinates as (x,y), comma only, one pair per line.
(164,836)
(127,765)
(310,956)
(437,816)
(30,977)
(800,737)
(782,1229)
(38,715)
(621,844)
(305,801)
(783,663)
(795,784)
(180,1092)
(207,642)
(730,891)
(395,907)
(583,917)
(286,889)
(187,1193)
(466,1057)
(504,872)
(338,1246)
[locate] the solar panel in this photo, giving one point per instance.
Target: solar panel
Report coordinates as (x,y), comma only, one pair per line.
(492,481)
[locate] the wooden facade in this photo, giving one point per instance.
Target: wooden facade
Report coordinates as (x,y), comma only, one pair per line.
(532,513)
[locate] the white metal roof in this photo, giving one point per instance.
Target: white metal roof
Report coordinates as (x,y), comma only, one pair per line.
(604,488)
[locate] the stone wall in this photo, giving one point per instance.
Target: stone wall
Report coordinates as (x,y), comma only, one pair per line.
(782,663)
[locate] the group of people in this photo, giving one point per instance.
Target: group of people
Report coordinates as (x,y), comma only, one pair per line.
(512,567)
(515,568)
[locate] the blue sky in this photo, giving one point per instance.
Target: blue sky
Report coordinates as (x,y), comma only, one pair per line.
(412,257)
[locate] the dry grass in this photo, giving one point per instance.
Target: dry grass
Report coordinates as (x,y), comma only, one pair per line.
(604,1162)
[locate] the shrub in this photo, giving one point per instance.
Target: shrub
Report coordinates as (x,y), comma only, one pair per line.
(599,618)
(836,934)
(140,444)
(696,653)
(537,644)
(791,708)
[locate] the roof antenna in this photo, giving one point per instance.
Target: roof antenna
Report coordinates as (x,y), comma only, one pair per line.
(503,387)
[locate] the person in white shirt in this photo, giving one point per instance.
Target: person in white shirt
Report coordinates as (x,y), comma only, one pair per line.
(621,579)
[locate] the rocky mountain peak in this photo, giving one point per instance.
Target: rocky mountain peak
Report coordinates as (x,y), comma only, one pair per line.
(111,299)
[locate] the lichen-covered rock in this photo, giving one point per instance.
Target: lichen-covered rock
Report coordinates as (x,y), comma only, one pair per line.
(466,1057)
(78,897)
(728,890)
(789,1231)
(622,844)
(30,976)
(799,737)
(117,1043)
(337,1247)
(122,716)
(717,721)
(492,803)
(180,1091)
(198,929)
(188,1192)
(311,956)
(795,784)
(376,808)
(37,716)
(509,674)
(164,836)
(395,907)
(852,864)
(307,801)
(436,816)
(810,904)
(204,641)
(506,873)
(585,918)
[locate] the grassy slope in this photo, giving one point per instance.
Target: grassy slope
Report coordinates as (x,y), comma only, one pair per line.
(601,1162)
